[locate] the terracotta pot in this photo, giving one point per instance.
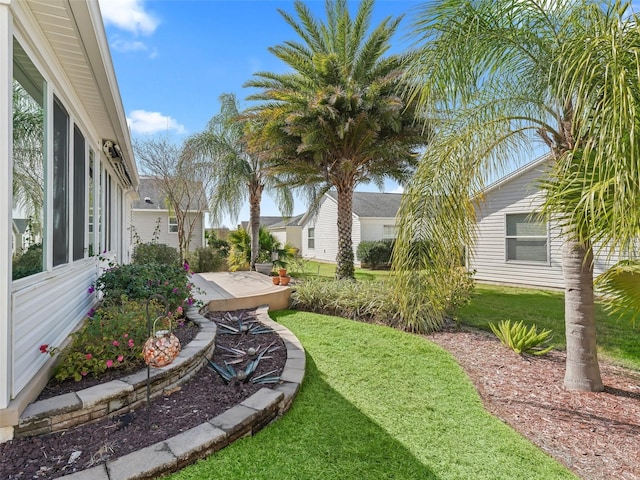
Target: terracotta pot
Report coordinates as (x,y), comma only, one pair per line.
(282,272)
(275,280)
(284,281)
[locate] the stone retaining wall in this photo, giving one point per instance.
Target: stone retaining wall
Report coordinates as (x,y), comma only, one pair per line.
(118,396)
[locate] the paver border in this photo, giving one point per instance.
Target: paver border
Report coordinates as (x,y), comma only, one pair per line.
(245,419)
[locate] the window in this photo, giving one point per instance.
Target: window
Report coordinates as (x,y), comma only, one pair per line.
(173,225)
(526,238)
(311,237)
(92,203)
(389,232)
(29,127)
(60,188)
(78,193)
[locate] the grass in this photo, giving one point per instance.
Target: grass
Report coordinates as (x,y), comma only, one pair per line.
(310,268)
(377,403)
(617,336)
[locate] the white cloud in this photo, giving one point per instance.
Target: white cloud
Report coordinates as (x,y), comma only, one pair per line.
(124,46)
(128,15)
(148,123)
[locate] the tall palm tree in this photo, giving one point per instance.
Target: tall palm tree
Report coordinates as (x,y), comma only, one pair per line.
(499,75)
(239,174)
(337,118)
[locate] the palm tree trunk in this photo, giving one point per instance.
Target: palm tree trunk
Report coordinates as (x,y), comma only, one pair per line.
(344,259)
(255,197)
(582,371)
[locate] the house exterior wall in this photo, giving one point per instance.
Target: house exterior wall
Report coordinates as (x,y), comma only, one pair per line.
(326,233)
(44,307)
(488,256)
(144,224)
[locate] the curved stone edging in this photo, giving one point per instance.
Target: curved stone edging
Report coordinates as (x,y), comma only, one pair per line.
(118,396)
(247,418)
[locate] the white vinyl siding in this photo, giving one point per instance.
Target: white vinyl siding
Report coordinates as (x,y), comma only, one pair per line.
(144,225)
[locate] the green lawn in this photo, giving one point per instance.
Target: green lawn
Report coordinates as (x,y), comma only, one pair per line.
(377,403)
(618,338)
(310,268)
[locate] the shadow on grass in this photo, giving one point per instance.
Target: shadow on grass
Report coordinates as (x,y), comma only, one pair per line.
(323,436)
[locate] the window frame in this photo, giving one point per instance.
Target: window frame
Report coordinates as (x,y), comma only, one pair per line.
(311,238)
(395,232)
(546,237)
(171,224)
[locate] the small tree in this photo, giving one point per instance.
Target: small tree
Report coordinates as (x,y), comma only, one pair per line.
(181,179)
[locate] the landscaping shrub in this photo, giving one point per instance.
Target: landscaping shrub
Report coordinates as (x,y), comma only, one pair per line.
(140,281)
(144,253)
(29,263)
(522,339)
(206,259)
(365,301)
(111,338)
(375,253)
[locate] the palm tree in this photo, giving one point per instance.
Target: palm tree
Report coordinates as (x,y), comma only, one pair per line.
(239,174)
(499,75)
(337,119)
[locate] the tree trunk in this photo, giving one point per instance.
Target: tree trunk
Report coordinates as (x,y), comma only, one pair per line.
(582,371)
(344,259)
(255,197)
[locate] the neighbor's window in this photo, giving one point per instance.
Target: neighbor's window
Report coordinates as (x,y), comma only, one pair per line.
(526,238)
(173,225)
(389,232)
(311,237)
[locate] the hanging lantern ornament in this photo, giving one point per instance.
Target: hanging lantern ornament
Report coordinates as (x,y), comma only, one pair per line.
(162,347)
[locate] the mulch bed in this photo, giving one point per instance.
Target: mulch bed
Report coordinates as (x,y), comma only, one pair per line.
(596,435)
(202,398)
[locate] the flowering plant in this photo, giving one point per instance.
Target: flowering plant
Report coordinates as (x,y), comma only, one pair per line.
(112,338)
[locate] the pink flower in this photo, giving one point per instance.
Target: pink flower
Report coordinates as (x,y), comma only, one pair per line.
(131,343)
(116,343)
(109,363)
(179,311)
(88,356)
(44,348)
(84,373)
(126,335)
(120,358)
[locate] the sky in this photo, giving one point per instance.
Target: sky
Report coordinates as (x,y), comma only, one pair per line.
(174,58)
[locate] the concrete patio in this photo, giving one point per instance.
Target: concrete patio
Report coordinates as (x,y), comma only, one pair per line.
(225,291)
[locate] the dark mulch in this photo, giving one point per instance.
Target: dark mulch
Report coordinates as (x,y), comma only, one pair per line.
(199,400)
(596,435)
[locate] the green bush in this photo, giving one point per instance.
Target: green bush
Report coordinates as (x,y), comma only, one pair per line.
(521,339)
(375,253)
(206,259)
(364,301)
(140,281)
(161,253)
(29,263)
(111,338)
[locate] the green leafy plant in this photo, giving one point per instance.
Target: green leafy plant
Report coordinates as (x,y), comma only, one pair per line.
(139,282)
(161,253)
(522,339)
(206,259)
(240,252)
(111,338)
(375,253)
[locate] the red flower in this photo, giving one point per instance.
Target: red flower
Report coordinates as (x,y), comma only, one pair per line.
(44,348)
(88,356)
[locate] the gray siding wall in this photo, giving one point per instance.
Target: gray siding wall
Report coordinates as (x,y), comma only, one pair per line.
(144,224)
(488,256)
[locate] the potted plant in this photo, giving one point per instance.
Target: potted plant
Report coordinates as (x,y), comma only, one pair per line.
(263,263)
(284,281)
(275,278)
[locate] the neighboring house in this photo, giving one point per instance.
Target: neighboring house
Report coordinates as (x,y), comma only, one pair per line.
(152,220)
(56,66)
(288,230)
(513,246)
(374,218)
